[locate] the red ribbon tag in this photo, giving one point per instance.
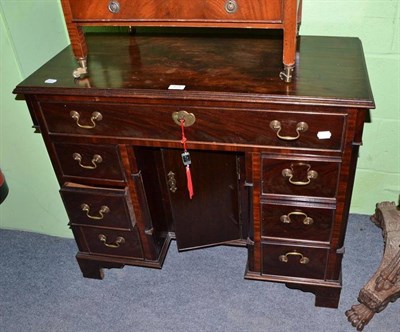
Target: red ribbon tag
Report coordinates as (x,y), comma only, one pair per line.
(189,182)
(186,161)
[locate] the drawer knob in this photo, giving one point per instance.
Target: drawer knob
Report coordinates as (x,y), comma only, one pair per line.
(231,6)
(306,220)
(103,210)
(172,182)
(188,118)
(301,127)
(118,241)
(97,159)
(289,173)
(285,258)
(96,116)
(114,7)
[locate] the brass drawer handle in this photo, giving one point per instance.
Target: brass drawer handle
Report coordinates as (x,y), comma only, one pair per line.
(118,241)
(231,6)
(96,116)
(114,7)
(103,210)
(311,174)
(300,128)
(285,218)
(97,159)
(172,182)
(285,258)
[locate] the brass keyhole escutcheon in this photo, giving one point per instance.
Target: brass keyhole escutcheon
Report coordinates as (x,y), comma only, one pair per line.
(188,118)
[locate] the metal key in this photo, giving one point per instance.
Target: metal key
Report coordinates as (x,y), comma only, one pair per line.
(186,158)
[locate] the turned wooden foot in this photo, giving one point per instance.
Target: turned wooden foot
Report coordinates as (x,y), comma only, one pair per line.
(384,286)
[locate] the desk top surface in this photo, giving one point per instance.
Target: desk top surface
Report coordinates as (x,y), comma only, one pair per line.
(329,70)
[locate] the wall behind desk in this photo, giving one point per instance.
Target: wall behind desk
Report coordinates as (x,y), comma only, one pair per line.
(31,32)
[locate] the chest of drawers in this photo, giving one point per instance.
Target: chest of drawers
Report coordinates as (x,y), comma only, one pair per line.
(272,164)
(284,15)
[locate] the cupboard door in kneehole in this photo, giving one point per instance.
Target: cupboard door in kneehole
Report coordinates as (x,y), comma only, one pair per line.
(212,215)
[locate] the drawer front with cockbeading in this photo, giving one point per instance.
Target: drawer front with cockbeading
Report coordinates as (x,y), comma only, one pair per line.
(173,10)
(294,261)
(315,178)
(290,221)
(211,125)
(99,207)
(109,242)
(90,161)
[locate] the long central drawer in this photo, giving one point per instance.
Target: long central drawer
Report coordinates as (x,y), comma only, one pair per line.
(275,128)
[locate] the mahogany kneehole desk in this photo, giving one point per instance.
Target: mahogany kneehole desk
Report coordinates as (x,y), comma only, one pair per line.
(272,164)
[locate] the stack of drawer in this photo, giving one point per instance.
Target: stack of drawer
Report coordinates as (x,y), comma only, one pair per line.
(298,209)
(297,187)
(97,184)
(102,220)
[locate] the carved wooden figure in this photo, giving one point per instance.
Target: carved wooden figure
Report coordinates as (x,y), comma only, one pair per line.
(384,286)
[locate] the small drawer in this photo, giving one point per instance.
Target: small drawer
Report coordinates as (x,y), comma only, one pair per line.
(175,10)
(294,261)
(297,222)
(300,177)
(275,128)
(98,206)
(111,242)
(89,161)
